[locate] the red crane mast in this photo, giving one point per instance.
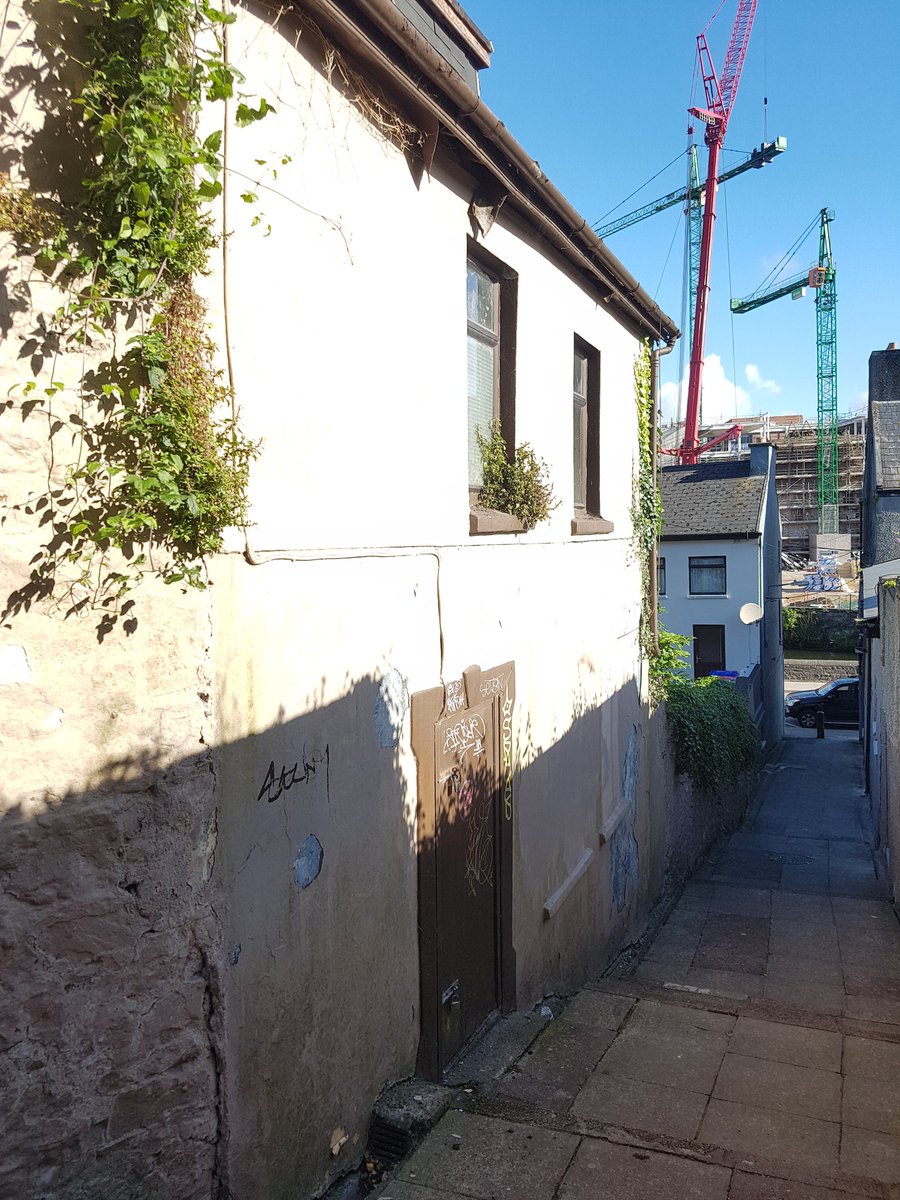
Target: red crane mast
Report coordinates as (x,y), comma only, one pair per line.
(720,97)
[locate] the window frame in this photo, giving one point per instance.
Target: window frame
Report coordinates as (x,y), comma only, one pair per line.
(705,561)
(661,580)
(506,283)
(587,518)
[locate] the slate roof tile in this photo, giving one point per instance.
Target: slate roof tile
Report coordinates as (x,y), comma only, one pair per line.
(717,499)
(886,440)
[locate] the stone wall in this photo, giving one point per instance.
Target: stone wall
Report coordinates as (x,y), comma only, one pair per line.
(884,733)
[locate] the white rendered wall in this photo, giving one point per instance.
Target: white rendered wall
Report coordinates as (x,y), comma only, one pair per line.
(743,582)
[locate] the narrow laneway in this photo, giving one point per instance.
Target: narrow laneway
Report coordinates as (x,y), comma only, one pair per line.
(753,1054)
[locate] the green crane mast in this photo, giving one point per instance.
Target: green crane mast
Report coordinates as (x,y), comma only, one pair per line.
(823,278)
(691,199)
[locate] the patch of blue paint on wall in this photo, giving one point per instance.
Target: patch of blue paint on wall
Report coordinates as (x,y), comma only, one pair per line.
(390,708)
(308,862)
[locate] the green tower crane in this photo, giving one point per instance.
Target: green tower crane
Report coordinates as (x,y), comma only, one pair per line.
(823,278)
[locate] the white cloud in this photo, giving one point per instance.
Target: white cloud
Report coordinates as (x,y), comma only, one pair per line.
(757,382)
(722,398)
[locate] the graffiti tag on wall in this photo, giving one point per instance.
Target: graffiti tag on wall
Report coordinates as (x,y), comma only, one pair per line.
(275,785)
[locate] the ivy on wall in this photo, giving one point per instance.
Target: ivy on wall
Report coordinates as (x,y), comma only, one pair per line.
(646,506)
(715,738)
(161,467)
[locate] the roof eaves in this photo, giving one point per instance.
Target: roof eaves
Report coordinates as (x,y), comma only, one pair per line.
(415,67)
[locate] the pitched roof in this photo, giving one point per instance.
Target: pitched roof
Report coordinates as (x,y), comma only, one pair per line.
(717,499)
(886,440)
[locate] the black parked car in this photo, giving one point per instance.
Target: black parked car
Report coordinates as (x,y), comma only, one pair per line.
(839,701)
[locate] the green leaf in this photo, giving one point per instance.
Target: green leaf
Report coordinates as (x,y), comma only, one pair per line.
(141,229)
(209,189)
(249,197)
(214,142)
(125,228)
(157,157)
(246,115)
(145,278)
(193,506)
(141,193)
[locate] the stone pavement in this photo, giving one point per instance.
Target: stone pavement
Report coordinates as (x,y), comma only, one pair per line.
(754,1054)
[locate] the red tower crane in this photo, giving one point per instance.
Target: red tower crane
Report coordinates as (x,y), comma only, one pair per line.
(720,97)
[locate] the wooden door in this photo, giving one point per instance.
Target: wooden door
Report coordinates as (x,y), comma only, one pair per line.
(709,649)
(466,867)
(462,737)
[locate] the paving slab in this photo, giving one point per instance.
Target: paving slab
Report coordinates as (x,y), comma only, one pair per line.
(873,1008)
(746,902)
(865,1152)
(805,970)
(680,1058)
(869,1058)
(794,1044)
(597,1009)
(758,1187)
(398,1189)
(814,997)
(806,1091)
(872,1104)
(557,1063)
(795,906)
(489,1158)
(768,1134)
(654,1014)
(736,985)
(614,1172)
(638,1106)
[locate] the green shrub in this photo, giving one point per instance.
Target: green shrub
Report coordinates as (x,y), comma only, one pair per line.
(803,629)
(715,738)
(669,665)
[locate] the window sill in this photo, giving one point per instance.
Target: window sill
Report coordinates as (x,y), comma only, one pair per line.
(586,525)
(490,520)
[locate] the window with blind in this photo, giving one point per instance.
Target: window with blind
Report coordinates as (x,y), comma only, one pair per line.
(483,315)
(661,575)
(706,574)
(491,315)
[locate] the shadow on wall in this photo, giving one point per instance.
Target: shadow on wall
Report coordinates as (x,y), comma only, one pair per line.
(212,965)
(181,974)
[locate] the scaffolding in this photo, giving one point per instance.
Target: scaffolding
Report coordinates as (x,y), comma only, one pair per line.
(797,477)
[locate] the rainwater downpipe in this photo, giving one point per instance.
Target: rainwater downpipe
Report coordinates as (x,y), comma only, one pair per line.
(655,356)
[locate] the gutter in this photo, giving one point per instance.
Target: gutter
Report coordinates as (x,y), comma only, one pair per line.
(519,174)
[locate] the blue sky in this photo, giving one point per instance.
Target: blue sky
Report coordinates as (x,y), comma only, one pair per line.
(598,93)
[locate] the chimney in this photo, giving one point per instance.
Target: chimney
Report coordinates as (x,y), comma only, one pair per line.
(761,454)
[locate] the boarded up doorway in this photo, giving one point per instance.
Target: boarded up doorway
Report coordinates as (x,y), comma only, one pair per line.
(462,738)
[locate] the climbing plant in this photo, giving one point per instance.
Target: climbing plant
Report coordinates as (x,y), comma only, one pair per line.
(161,466)
(646,506)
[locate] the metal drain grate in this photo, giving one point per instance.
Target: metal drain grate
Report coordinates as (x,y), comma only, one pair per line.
(791,860)
(388,1143)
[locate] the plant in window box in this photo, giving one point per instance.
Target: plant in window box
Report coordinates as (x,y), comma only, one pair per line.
(522,487)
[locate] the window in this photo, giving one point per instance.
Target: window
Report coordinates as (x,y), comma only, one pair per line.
(586,440)
(707,575)
(709,650)
(483,313)
(661,575)
(491,304)
(579,428)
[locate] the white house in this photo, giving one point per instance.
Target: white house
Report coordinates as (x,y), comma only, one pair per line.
(304,833)
(719,575)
